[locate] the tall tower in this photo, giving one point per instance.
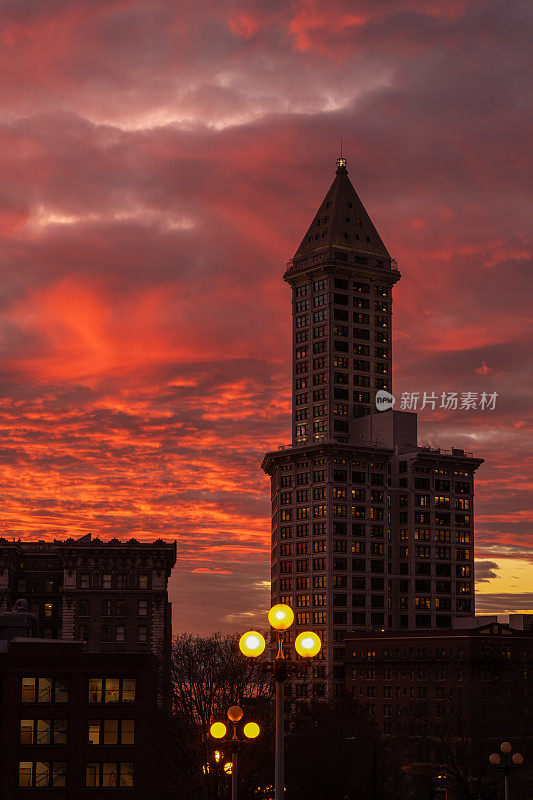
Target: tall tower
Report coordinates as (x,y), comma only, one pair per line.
(342,278)
(346,519)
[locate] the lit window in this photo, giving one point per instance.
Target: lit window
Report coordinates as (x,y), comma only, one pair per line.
(44,690)
(26,731)
(95,690)
(25,773)
(108,774)
(28,690)
(112,690)
(42,774)
(110,731)
(127,731)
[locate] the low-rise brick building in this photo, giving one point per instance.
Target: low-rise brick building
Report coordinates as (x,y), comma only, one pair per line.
(72,721)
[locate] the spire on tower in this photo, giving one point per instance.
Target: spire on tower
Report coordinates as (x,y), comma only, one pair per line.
(342,222)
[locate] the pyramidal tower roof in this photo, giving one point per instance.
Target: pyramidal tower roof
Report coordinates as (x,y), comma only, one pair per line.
(342,222)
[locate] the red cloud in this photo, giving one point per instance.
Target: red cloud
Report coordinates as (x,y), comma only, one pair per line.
(159,166)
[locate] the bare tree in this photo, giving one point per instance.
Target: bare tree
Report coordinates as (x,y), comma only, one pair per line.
(209,674)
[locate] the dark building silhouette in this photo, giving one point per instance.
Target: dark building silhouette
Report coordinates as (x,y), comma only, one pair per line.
(448,678)
(444,700)
(72,721)
(370,531)
(85,637)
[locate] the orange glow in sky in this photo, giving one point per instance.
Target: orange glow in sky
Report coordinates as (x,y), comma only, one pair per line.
(160,163)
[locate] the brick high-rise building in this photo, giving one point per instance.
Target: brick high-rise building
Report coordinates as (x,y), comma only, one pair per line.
(369,530)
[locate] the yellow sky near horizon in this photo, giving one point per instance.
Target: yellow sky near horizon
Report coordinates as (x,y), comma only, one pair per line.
(514,576)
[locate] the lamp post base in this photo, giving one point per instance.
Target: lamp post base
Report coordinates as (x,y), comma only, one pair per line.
(279,778)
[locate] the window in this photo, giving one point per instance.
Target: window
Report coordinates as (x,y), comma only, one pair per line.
(83,608)
(120,633)
(111,731)
(44,690)
(142,608)
(107,580)
(85,581)
(108,774)
(111,690)
(143,581)
(43,731)
(42,774)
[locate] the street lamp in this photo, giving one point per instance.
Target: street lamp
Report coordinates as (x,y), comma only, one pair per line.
(506,763)
(307,645)
(218,730)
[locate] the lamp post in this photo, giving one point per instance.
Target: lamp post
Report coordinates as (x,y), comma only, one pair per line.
(506,762)
(307,645)
(218,730)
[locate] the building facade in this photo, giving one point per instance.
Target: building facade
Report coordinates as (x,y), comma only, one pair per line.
(427,682)
(448,698)
(369,530)
(73,722)
(111,595)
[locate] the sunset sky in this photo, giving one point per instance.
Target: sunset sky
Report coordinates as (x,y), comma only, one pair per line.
(160,161)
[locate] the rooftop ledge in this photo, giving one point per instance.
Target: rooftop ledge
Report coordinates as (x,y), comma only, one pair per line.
(455,452)
(343,257)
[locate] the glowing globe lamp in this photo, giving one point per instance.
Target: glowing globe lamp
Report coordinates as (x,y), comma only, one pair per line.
(235,713)
(281,617)
(217,730)
(251,730)
(307,644)
(252,644)
(505,747)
